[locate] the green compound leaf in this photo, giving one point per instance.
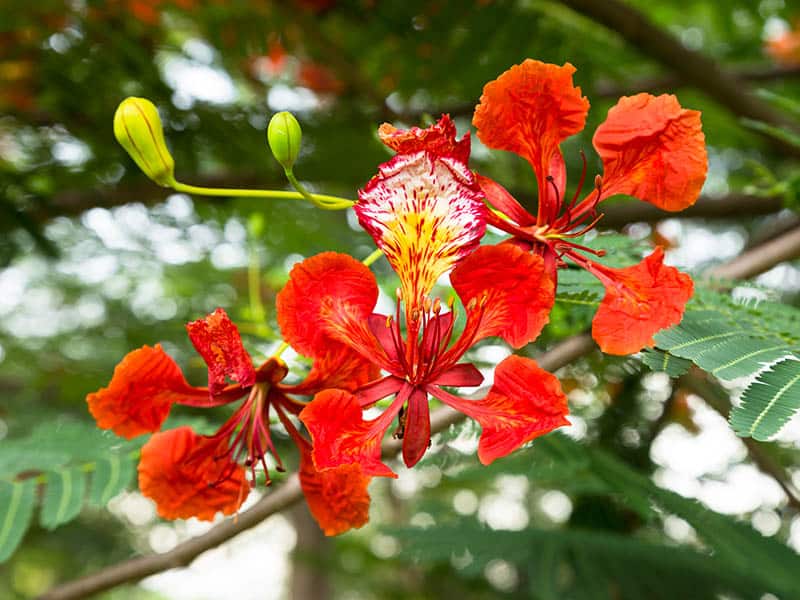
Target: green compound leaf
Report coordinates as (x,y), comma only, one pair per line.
(698,332)
(741,356)
(17,500)
(63,497)
(769,402)
(661,361)
(112,475)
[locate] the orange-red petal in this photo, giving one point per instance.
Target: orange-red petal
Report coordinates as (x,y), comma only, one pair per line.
(341,436)
(137,400)
(217,340)
(508,290)
(654,150)
(182,473)
(327,300)
(337,498)
(524,403)
(439,139)
(340,368)
(529,110)
(502,200)
(425,212)
(640,301)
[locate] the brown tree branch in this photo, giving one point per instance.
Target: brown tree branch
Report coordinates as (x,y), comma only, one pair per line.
(666,82)
(72,203)
(783,248)
(695,68)
(761,258)
(731,206)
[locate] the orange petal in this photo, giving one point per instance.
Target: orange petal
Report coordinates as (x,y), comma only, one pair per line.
(508,290)
(654,150)
(524,403)
(182,473)
(529,110)
(217,340)
(327,299)
(341,436)
(337,498)
(502,200)
(426,213)
(137,400)
(439,139)
(640,301)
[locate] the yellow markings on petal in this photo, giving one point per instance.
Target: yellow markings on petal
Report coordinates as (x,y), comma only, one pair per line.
(425,213)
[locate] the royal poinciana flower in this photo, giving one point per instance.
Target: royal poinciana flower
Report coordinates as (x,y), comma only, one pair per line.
(424,211)
(651,148)
(192,475)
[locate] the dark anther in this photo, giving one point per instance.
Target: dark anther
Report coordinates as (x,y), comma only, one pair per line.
(401,426)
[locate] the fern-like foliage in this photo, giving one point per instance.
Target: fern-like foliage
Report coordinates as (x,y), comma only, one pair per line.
(732,340)
(725,337)
(72,462)
(583,563)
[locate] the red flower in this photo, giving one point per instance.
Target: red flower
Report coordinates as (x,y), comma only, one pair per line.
(424,211)
(651,149)
(190,475)
(523,403)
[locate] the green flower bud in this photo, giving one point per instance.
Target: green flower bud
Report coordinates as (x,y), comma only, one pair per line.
(137,128)
(284,135)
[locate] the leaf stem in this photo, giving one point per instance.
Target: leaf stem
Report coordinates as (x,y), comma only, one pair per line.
(320,200)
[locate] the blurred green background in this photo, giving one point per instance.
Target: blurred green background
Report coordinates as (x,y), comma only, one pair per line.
(95,260)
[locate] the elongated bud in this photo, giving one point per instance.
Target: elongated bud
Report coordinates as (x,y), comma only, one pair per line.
(284,135)
(137,128)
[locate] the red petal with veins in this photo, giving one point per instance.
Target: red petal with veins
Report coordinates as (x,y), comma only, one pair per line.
(529,110)
(217,340)
(337,498)
(640,301)
(460,375)
(144,386)
(417,428)
(328,299)
(182,473)
(524,403)
(439,139)
(512,295)
(341,436)
(379,389)
(425,212)
(502,200)
(654,150)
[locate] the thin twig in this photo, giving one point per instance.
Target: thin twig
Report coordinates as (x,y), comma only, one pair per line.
(761,258)
(664,82)
(74,202)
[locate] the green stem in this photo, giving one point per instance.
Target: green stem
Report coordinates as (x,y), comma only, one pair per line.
(320,200)
(283,347)
(373,257)
(316,199)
